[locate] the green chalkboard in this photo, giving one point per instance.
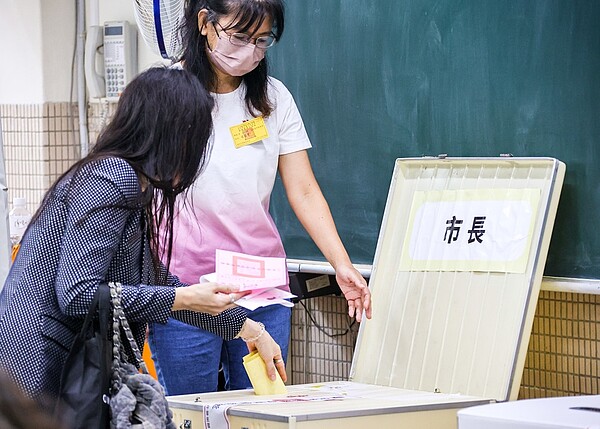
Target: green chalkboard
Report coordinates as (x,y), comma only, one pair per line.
(384,79)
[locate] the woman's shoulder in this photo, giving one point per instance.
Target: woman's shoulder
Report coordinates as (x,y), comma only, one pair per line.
(279,93)
(116,171)
(277,87)
(112,165)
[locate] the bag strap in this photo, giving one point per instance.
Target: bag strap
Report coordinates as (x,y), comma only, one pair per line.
(120,323)
(104,310)
(89,318)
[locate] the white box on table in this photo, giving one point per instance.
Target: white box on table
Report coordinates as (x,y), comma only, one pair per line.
(569,412)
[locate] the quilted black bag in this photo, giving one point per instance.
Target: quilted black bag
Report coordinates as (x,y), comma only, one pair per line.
(99,387)
(85,379)
(137,399)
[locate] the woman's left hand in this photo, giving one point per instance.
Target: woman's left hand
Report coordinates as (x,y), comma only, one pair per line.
(355,290)
(265,345)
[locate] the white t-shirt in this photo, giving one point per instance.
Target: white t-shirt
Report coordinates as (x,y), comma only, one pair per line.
(228,206)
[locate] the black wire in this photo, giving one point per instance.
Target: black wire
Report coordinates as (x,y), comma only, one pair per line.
(320,328)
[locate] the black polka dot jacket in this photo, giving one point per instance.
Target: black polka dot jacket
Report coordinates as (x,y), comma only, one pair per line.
(84,236)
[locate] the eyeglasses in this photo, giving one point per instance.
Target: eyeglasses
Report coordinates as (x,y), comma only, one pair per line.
(241,39)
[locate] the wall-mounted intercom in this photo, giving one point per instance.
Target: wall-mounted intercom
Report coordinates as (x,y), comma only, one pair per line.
(120,56)
(118,41)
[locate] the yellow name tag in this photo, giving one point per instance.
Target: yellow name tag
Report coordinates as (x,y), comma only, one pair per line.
(249,132)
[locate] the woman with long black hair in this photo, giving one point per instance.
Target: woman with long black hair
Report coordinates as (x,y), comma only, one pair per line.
(109,218)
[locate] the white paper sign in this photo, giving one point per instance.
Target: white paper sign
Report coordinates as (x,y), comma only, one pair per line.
(470,230)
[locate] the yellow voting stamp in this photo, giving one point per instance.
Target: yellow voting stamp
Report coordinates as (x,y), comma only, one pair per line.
(249,132)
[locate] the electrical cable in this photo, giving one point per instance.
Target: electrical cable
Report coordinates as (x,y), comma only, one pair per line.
(322,329)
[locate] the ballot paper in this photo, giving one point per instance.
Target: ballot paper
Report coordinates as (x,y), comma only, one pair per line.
(250,272)
(262,298)
(257,373)
(260,275)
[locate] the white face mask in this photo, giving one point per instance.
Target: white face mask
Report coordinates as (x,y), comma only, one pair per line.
(233,59)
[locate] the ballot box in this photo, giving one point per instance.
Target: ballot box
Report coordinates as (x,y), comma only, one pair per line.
(455,280)
(569,412)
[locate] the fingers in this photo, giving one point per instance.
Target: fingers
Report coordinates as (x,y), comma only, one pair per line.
(358,309)
(226,289)
(358,305)
(270,352)
(226,296)
(271,370)
(350,308)
(367,304)
(280,366)
(234,296)
(359,298)
(276,365)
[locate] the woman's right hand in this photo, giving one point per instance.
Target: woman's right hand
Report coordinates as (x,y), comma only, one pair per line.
(211,298)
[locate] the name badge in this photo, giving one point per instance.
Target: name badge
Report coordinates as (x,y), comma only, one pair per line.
(249,132)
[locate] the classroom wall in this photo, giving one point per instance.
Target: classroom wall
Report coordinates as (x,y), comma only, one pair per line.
(22,71)
(40,132)
(38,89)
(37,38)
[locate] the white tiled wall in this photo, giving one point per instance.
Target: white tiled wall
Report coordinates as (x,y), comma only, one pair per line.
(41,141)
(322,341)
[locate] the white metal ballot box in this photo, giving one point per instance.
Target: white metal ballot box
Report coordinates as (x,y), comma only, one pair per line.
(455,281)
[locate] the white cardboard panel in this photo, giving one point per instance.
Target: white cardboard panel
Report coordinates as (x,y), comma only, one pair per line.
(454,332)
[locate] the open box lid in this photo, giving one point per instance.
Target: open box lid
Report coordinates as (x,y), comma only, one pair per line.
(454,301)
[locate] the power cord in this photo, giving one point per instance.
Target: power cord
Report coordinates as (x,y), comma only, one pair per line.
(320,328)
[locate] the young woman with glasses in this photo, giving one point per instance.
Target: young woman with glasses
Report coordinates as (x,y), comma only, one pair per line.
(258,132)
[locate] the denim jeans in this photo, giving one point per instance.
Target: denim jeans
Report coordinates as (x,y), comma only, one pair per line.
(187,358)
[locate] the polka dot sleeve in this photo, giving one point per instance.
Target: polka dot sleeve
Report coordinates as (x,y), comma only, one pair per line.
(226,325)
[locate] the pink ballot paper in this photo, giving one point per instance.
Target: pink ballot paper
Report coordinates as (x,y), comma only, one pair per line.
(258,274)
(250,272)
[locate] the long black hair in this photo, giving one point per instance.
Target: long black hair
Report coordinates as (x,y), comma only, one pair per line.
(161,127)
(246,15)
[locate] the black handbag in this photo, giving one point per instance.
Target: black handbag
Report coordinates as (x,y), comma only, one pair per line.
(85,379)
(99,387)
(137,400)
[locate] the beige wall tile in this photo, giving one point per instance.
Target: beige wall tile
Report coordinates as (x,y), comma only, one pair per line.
(32,133)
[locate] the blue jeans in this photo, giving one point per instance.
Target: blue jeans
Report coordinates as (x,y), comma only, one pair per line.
(187,358)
